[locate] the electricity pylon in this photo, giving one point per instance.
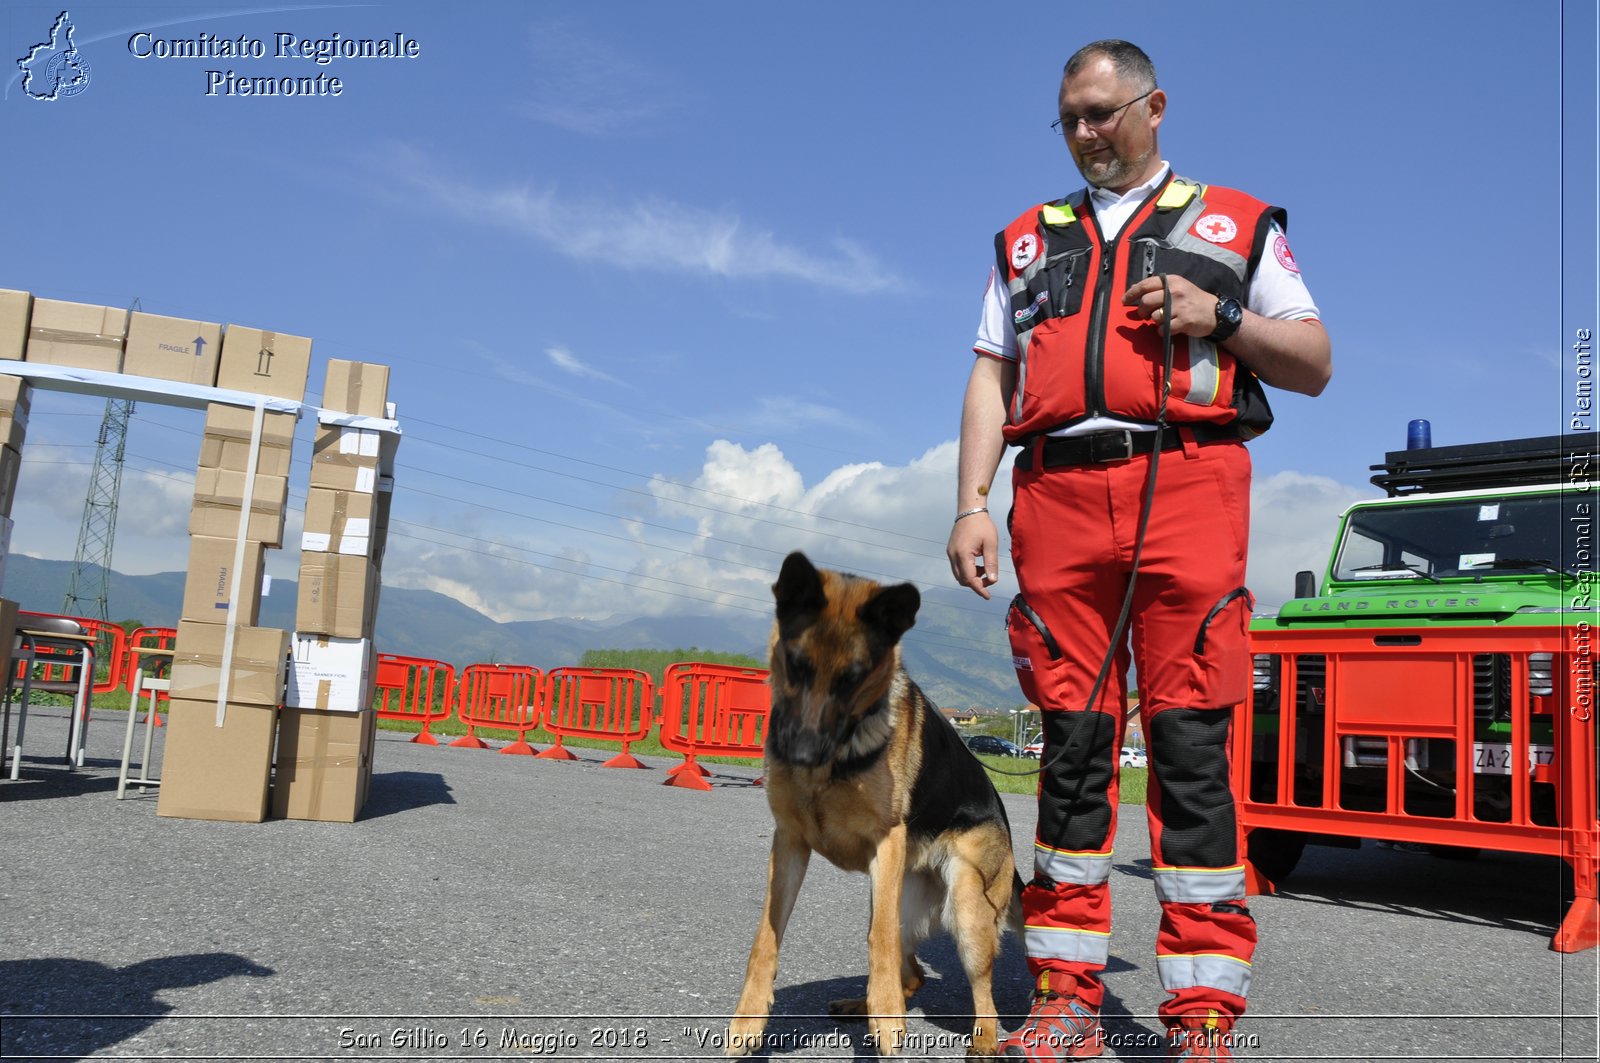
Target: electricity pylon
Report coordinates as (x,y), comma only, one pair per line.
(98,530)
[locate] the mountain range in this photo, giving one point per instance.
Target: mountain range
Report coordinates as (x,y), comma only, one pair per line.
(940,652)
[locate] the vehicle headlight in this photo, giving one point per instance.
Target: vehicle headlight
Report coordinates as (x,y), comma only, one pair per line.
(1264,671)
(1541,673)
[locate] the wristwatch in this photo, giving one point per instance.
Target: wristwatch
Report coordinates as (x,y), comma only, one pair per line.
(1229,316)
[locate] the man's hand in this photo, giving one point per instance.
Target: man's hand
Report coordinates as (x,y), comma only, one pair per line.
(1194,310)
(974,552)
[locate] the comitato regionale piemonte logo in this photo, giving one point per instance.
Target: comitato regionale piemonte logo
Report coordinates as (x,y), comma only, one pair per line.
(55,69)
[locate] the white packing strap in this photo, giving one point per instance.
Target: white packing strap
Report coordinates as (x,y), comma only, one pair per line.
(256,423)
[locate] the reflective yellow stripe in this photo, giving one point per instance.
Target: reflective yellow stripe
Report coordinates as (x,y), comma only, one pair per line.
(1177,194)
(1058,215)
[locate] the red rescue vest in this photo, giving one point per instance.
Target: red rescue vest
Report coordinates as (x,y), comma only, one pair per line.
(1082,353)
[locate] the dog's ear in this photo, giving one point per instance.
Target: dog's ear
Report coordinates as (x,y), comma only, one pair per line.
(892,611)
(799,592)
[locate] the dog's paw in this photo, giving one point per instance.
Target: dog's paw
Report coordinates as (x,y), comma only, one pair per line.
(850,1009)
(744,1036)
(887,1035)
(985,1040)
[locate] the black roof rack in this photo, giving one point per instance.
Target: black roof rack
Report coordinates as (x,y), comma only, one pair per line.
(1504,463)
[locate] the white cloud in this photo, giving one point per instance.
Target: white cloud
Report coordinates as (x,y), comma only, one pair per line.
(1293,518)
(567,362)
(588,86)
(660,234)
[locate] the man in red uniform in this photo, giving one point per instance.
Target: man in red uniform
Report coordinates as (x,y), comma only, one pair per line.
(1092,300)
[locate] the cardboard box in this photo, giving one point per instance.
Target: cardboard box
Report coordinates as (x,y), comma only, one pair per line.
(6,524)
(324,762)
(8,634)
(15,309)
(338,522)
(330,673)
(337,595)
(171,348)
(264,362)
(211,772)
(10,470)
(219,497)
(79,335)
(345,459)
(16,399)
(208,588)
(382,503)
(255,672)
(226,442)
(356,387)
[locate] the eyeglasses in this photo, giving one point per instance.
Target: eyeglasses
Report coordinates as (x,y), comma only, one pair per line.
(1067,124)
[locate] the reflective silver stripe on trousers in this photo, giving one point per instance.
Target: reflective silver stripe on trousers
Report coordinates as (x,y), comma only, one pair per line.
(1199,885)
(1209,970)
(1081,869)
(1204,375)
(1060,943)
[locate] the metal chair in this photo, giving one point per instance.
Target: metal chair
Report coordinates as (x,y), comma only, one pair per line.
(62,651)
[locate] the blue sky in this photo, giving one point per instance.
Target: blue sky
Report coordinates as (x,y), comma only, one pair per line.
(669,289)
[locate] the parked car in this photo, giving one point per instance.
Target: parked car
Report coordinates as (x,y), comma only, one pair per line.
(1035,748)
(998,747)
(1133,757)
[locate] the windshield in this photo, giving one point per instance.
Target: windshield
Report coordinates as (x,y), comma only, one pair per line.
(1514,535)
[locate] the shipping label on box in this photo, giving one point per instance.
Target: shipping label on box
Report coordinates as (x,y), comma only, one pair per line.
(336,595)
(356,387)
(255,670)
(78,335)
(171,348)
(338,522)
(329,673)
(15,308)
(263,362)
(323,762)
(345,459)
(208,588)
(211,772)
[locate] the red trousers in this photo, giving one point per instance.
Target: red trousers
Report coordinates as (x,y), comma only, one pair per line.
(1073,534)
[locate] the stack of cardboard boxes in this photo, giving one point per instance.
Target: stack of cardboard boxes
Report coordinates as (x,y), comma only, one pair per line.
(16,397)
(325,742)
(229,674)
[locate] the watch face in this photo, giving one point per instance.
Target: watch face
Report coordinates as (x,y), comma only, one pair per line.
(1229,312)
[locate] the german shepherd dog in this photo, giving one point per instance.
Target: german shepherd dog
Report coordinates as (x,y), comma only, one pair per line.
(863,769)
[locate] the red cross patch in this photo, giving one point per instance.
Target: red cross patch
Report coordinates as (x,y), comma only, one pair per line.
(1218,228)
(1024,249)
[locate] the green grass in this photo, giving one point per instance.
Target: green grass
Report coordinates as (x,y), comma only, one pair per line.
(1006,773)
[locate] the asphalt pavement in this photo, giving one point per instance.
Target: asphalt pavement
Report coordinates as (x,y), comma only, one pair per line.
(497,907)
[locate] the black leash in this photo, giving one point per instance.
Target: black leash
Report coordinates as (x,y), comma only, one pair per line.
(1074,746)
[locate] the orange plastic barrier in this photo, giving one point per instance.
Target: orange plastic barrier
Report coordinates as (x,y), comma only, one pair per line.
(500,697)
(607,703)
(110,646)
(415,688)
(712,710)
(149,638)
(1334,747)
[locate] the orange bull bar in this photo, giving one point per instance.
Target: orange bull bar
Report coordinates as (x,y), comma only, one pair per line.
(415,688)
(712,710)
(612,704)
(1470,738)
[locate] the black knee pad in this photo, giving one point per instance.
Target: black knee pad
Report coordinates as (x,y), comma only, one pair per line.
(1074,811)
(1189,767)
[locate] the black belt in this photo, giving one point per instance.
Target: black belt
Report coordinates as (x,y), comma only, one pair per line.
(1116,445)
